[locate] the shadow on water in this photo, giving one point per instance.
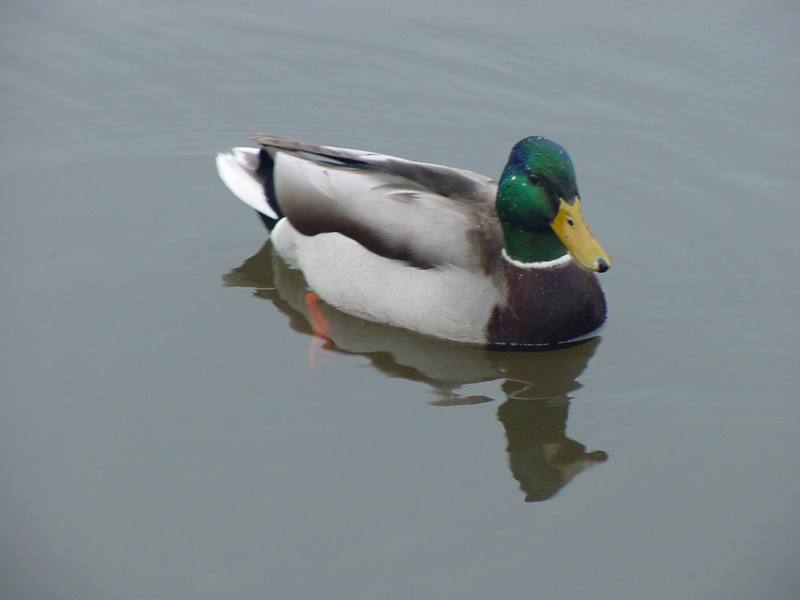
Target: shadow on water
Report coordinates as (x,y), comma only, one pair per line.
(536,384)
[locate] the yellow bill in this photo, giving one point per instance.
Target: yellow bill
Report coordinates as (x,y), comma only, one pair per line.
(575,234)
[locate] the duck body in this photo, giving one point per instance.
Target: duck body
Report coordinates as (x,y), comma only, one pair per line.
(410,244)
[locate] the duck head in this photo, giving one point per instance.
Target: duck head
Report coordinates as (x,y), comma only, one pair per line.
(539,208)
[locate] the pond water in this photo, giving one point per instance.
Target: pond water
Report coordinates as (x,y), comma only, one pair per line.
(171,430)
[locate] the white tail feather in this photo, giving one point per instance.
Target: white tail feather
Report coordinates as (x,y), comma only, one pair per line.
(246,157)
(237,171)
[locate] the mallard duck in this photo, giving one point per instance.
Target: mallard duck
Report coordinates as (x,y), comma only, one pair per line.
(438,250)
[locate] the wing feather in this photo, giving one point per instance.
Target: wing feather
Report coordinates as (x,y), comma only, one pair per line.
(425,214)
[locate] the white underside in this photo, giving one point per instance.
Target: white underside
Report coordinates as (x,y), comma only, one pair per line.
(447,302)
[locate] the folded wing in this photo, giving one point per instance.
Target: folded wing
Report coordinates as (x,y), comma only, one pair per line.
(424,214)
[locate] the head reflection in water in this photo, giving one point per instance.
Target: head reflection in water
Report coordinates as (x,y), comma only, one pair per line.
(541,456)
(536,384)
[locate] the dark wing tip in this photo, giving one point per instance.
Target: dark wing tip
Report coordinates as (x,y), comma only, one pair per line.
(276,141)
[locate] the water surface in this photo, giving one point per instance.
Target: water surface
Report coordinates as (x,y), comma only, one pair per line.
(164,434)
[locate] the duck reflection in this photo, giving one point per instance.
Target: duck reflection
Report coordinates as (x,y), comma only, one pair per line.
(536,384)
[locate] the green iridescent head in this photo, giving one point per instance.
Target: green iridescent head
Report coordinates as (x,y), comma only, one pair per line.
(540,208)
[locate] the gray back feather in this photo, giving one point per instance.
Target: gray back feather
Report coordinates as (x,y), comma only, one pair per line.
(425,214)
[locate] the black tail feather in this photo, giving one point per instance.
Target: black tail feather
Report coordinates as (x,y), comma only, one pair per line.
(266,175)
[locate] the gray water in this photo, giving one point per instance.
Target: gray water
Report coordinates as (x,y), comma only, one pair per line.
(169,429)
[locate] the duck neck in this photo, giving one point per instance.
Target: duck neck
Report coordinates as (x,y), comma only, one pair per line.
(527,246)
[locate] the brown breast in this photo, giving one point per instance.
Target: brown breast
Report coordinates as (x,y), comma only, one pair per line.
(547,306)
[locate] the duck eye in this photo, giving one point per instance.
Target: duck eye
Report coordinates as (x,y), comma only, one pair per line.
(534,179)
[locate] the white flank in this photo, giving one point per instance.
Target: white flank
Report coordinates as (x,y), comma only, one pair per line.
(236,171)
(561,261)
(429,301)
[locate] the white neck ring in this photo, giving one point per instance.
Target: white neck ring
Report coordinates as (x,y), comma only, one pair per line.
(561,261)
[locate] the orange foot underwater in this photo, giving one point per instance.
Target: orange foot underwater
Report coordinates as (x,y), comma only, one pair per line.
(320,328)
